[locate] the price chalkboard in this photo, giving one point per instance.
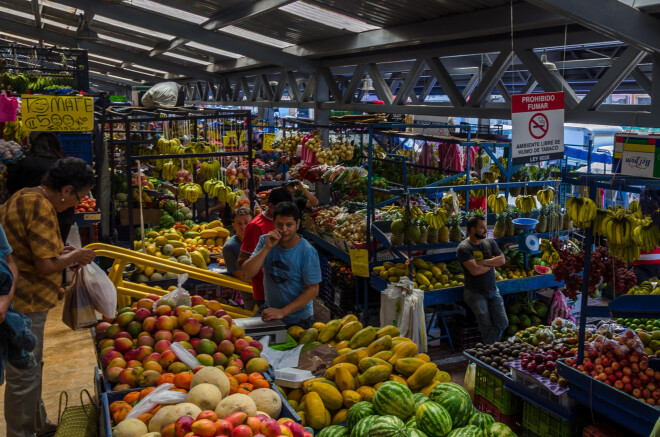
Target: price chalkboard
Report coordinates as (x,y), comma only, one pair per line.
(57,113)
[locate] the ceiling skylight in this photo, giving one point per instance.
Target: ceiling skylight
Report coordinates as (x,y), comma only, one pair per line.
(16,13)
(167,10)
(327,17)
(21,38)
(186,58)
(58,24)
(58,6)
(124,42)
(126,26)
(213,50)
(237,31)
(149,69)
(105,58)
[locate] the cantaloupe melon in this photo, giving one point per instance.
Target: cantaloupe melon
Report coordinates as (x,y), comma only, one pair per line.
(205,396)
(235,403)
(130,428)
(267,401)
(214,376)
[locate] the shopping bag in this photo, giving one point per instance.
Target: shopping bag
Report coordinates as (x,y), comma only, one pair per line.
(161,395)
(78,311)
(560,307)
(403,306)
(177,297)
(470,379)
(77,421)
(100,289)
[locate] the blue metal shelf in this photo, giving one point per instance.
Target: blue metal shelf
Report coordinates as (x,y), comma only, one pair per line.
(331,248)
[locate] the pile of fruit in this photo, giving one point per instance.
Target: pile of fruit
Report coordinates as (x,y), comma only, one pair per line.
(87,204)
(497,354)
(523,313)
(427,276)
(559,329)
(651,341)
(648,325)
(543,362)
(623,364)
(352,227)
(135,348)
(645,288)
(395,411)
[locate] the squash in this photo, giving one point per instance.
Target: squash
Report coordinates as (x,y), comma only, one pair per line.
(344,380)
(348,330)
(381,344)
(350,397)
(341,345)
(408,366)
(390,330)
(403,350)
(374,375)
(331,372)
(315,411)
(308,336)
(368,362)
(306,385)
(331,397)
(363,337)
(422,376)
(329,331)
(295,395)
(428,388)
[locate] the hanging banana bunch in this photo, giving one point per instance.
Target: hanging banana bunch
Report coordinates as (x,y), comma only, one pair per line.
(209,170)
(548,252)
(647,235)
(190,192)
(437,218)
(545,196)
(488,177)
(168,172)
(496,203)
(582,211)
(477,194)
(525,203)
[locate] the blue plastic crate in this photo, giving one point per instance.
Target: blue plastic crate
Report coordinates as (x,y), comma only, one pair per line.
(78,146)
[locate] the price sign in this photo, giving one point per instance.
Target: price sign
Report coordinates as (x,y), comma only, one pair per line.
(229,140)
(57,113)
(268,141)
(359,262)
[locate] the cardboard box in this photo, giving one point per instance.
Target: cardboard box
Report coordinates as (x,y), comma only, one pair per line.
(151,216)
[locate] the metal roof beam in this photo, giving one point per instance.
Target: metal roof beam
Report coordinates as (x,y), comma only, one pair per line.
(491,78)
(149,20)
(243,12)
(122,72)
(612,18)
(642,79)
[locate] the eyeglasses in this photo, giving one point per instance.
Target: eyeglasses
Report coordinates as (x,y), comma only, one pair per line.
(77,196)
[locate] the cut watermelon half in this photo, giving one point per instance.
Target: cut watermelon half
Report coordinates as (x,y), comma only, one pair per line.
(542,270)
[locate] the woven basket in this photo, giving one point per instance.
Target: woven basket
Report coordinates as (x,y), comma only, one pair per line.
(77,421)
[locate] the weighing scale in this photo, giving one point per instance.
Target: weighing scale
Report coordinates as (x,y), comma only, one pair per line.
(528,243)
(257,328)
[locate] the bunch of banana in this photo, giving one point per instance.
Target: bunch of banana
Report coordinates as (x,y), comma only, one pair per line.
(496,203)
(634,206)
(231,199)
(477,194)
(493,168)
(582,211)
(545,196)
(437,218)
(525,203)
(165,146)
(190,192)
(647,235)
(549,254)
(15,131)
(168,172)
(209,170)
(627,253)
(202,147)
(644,288)
(601,214)
(617,227)
(488,177)
(416,213)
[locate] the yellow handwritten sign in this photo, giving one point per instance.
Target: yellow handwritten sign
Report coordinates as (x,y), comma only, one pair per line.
(57,113)
(229,140)
(267,143)
(359,262)
(242,136)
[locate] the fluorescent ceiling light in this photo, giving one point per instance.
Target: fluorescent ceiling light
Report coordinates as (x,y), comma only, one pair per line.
(123,78)
(213,50)
(141,72)
(167,10)
(17,13)
(327,17)
(124,42)
(103,63)
(149,69)
(186,58)
(122,25)
(110,75)
(103,57)
(253,36)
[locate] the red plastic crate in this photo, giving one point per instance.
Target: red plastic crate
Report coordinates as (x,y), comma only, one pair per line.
(513,421)
(601,430)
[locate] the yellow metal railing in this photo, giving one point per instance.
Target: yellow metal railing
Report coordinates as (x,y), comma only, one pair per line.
(126,289)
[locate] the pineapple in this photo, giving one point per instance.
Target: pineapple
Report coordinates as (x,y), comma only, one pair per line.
(397,239)
(500,224)
(432,235)
(565,222)
(510,228)
(542,225)
(455,233)
(422,235)
(443,235)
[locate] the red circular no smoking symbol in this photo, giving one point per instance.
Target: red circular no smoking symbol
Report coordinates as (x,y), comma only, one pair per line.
(538,125)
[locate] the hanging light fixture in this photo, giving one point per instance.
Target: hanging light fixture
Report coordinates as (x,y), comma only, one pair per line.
(547,64)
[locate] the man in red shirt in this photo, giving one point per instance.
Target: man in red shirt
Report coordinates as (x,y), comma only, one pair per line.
(260,225)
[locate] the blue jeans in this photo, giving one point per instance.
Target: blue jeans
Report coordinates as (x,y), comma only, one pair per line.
(488,308)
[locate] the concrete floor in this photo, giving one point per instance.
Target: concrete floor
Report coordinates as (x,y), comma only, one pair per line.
(69,362)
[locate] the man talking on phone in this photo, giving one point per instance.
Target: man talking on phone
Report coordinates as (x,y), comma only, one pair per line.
(291,268)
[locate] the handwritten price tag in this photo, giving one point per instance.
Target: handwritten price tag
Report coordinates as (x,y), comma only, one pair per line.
(359,262)
(268,141)
(57,113)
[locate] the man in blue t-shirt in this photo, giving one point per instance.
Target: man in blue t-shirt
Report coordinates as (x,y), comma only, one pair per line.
(291,267)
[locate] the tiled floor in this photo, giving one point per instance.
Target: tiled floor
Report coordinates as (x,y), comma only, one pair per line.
(69,365)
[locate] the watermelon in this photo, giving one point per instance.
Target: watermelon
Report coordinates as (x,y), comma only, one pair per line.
(420,398)
(412,422)
(394,399)
(166,221)
(482,420)
(334,431)
(387,426)
(466,431)
(449,386)
(413,433)
(498,429)
(542,270)
(178,216)
(459,408)
(358,412)
(363,427)
(433,420)
(170,206)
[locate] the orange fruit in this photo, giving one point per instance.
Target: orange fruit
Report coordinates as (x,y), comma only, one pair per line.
(146,391)
(241,378)
(166,378)
(183,380)
(132,397)
(255,376)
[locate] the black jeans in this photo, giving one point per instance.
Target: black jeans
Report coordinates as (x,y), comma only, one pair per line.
(305,324)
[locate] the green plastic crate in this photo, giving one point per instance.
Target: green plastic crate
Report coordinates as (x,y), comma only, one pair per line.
(544,424)
(492,389)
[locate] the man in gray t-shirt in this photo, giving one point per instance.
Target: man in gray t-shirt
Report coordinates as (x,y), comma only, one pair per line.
(479,256)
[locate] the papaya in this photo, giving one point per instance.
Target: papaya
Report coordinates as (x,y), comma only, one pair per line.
(423,357)
(381,344)
(208,233)
(329,331)
(368,362)
(397,378)
(295,395)
(331,397)
(350,397)
(344,350)
(390,330)
(348,330)
(352,357)
(295,332)
(442,376)
(428,388)
(178,251)
(347,319)
(331,372)
(318,326)
(198,260)
(315,411)
(384,355)
(422,279)
(374,375)
(366,393)
(403,350)
(363,337)
(311,345)
(344,379)
(340,417)
(177,244)
(397,341)
(306,385)
(341,345)
(408,366)
(173,236)
(422,376)
(308,336)
(301,414)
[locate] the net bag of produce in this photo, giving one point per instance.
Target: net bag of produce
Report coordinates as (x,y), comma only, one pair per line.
(402,305)
(177,297)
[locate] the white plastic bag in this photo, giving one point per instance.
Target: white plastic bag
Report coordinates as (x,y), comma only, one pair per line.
(159,396)
(161,94)
(78,311)
(179,295)
(403,306)
(470,379)
(186,357)
(100,289)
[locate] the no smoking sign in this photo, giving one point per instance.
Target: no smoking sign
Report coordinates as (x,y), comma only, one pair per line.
(537,127)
